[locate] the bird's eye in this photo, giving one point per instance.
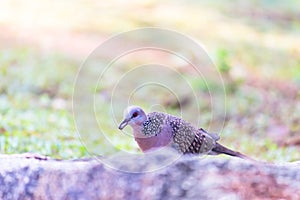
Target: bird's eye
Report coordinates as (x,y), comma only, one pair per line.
(135,114)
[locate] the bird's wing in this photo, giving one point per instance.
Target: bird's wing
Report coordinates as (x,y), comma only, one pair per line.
(188,139)
(206,141)
(215,136)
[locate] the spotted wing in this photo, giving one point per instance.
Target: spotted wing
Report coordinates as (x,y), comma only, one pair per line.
(188,139)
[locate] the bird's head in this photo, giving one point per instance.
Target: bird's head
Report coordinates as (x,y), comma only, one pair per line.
(134,116)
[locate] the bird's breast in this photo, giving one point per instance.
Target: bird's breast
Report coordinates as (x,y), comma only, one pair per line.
(155,141)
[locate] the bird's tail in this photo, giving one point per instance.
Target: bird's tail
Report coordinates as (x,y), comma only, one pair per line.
(220,149)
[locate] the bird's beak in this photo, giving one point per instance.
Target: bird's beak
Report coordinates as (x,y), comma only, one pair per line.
(123,124)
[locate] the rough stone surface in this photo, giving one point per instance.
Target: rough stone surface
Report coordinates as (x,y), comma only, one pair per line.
(24,177)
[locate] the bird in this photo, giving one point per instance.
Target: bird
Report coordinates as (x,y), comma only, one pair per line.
(157,129)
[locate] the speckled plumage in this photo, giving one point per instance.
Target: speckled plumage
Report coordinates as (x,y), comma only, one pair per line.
(185,137)
(154,124)
(158,129)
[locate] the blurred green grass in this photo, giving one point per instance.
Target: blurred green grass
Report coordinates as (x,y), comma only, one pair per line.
(35,104)
(255,46)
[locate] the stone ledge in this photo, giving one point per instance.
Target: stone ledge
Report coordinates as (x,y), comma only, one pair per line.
(187,178)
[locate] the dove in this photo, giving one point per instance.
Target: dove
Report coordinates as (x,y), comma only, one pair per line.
(157,129)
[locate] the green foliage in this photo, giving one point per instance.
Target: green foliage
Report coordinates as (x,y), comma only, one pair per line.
(222,61)
(224,66)
(31,117)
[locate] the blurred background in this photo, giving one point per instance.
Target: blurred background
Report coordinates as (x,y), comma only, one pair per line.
(255,46)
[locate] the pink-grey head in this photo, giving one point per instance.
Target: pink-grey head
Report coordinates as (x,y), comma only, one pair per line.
(133,116)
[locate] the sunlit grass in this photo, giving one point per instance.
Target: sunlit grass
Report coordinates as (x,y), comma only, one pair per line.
(36,87)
